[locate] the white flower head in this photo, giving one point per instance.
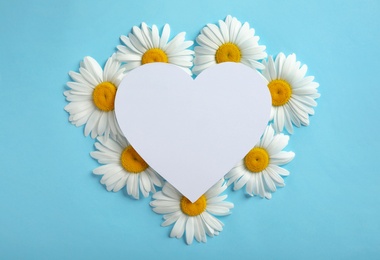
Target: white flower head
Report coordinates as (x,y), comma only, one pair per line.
(260,170)
(229,42)
(293,94)
(92,95)
(194,219)
(123,166)
(145,45)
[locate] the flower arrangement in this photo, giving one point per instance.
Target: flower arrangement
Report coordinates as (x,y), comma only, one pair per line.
(91,96)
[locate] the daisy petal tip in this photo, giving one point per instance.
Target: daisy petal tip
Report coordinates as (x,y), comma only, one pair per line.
(191,223)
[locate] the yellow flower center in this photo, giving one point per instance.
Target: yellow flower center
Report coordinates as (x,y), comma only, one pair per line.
(256,160)
(228,52)
(154,55)
(132,161)
(193,209)
(104,96)
(281,91)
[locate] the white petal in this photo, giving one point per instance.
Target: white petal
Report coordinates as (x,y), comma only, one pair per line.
(154,177)
(216,189)
(218,210)
(155,37)
(130,184)
(91,123)
(102,124)
(89,77)
(141,47)
(213,33)
(165,204)
(267,137)
(279,120)
(275,177)
(179,227)
(145,182)
(138,34)
(147,34)
(112,180)
(200,68)
(250,184)
(190,230)
(171,218)
(288,120)
(162,197)
(212,221)
(204,41)
(164,36)
(166,209)
(204,50)
(260,185)
(94,68)
(282,158)
(278,143)
(130,48)
(80,79)
(242,181)
(170,191)
(120,184)
(279,170)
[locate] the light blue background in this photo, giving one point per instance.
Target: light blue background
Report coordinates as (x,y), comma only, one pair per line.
(52,207)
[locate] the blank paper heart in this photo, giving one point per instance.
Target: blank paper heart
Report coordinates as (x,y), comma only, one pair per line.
(192,132)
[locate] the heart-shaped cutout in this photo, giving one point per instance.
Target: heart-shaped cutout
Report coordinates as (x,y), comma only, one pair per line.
(192,132)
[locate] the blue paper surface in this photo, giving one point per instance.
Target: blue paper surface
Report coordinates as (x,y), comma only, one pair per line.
(52,207)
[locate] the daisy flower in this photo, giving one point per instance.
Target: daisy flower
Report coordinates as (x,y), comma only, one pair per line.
(293,94)
(260,170)
(231,41)
(145,45)
(92,95)
(195,219)
(123,166)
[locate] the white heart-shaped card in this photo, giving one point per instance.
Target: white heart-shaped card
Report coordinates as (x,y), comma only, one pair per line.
(192,131)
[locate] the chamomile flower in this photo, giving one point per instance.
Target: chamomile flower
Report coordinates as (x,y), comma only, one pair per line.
(260,170)
(145,45)
(230,41)
(194,219)
(293,94)
(123,166)
(92,95)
